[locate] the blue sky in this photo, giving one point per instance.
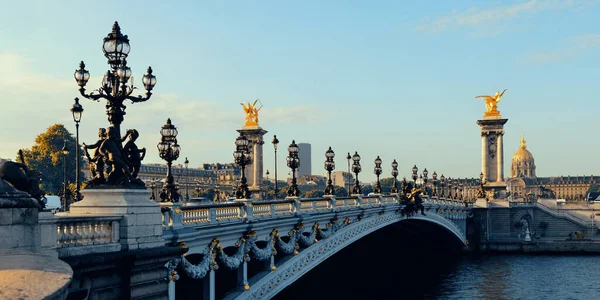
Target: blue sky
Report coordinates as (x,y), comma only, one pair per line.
(389,78)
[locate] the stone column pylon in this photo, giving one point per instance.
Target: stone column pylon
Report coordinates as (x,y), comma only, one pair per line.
(492,156)
(254,171)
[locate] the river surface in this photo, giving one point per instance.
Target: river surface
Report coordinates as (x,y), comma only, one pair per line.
(465,277)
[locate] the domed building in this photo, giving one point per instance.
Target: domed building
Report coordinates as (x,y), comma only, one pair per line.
(524,184)
(523,164)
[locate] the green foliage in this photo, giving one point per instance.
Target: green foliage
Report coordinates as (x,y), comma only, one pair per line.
(367,189)
(314,194)
(340,191)
(46,157)
(386,184)
(594,188)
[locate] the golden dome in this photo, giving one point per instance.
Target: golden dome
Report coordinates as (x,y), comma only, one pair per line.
(523,154)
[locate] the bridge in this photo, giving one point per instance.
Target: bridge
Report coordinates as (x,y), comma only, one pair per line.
(267,244)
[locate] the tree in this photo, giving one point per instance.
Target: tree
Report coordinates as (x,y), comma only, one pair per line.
(46,157)
(340,192)
(386,184)
(367,189)
(314,194)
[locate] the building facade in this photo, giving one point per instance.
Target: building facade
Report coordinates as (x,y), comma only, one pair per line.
(304,153)
(523,183)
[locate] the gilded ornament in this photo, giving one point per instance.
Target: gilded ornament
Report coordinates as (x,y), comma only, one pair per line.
(251,113)
(491,104)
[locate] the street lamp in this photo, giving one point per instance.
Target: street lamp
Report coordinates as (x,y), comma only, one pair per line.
(449,187)
(114,84)
(268,179)
(152,187)
(425,173)
(443,183)
(186,162)
(77,111)
(242,158)
(481,192)
(435,184)
(348,158)
(329,166)
(456,186)
(377,170)
(169,150)
(414,175)
(65,152)
(394,189)
(114,88)
(275,143)
(293,161)
(356,168)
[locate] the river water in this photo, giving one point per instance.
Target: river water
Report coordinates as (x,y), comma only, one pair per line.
(369,270)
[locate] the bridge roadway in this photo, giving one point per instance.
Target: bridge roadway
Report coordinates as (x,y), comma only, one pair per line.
(304,231)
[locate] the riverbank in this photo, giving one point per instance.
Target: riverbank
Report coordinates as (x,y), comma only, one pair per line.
(543,247)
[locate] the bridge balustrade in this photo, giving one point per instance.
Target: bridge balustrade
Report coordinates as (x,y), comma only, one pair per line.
(77,235)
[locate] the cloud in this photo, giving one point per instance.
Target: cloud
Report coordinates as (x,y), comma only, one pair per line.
(571,48)
(17,76)
(34,100)
(476,17)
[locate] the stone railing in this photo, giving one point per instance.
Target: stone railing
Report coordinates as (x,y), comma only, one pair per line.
(78,235)
(176,215)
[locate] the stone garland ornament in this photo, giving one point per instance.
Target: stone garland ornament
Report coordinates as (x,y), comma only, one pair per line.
(207,264)
(241,255)
(307,240)
(266,252)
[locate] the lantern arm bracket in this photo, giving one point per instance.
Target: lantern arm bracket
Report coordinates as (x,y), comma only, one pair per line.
(139,98)
(92,96)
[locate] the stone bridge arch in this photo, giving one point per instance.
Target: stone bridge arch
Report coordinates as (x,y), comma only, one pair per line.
(334,238)
(297,266)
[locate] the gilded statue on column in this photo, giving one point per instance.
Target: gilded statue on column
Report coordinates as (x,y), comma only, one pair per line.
(251,113)
(491,104)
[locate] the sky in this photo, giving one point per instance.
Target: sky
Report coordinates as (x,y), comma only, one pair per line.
(390,78)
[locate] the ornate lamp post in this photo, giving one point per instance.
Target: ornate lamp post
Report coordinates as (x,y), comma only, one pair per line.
(425,173)
(114,86)
(186,162)
(77,110)
(394,189)
(329,166)
(449,187)
(65,152)
(169,150)
(293,161)
(115,90)
(268,179)
(435,184)
(481,191)
(348,158)
(356,168)
(415,175)
(152,187)
(455,188)
(443,183)
(242,158)
(377,170)
(275,143)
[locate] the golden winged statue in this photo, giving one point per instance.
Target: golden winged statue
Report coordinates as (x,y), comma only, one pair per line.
(251,113)
(491,104)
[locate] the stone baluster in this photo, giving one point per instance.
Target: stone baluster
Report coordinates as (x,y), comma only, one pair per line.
(213,215)
(209,286)
(242,277)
